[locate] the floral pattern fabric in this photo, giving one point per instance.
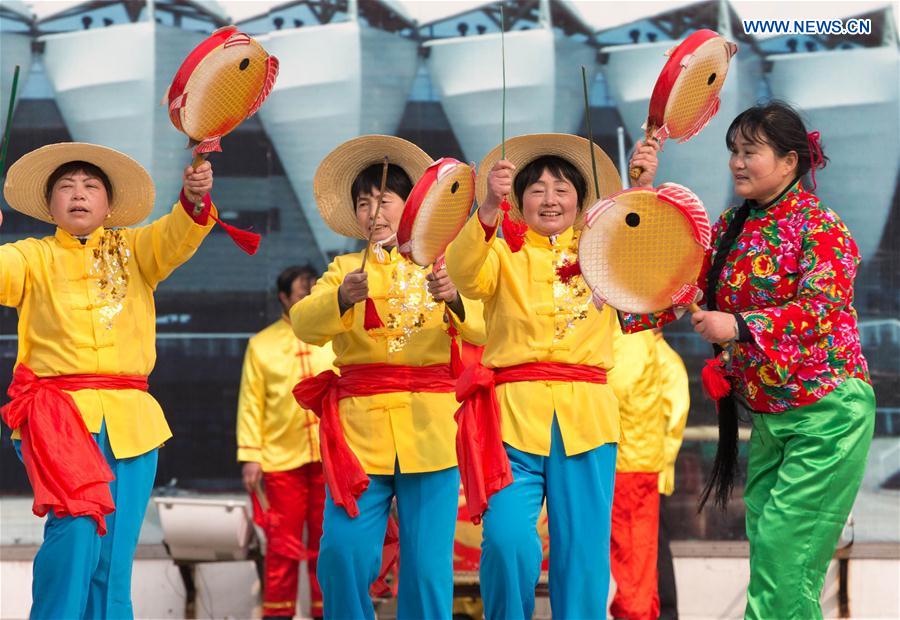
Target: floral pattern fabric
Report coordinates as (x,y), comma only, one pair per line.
(790,275)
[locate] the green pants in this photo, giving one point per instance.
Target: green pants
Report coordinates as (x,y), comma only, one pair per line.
(805,467)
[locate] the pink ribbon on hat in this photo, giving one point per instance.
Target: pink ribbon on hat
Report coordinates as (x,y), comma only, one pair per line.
(816,159)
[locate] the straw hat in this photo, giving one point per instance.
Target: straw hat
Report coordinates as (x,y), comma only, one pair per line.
(336,173)
(132,188)
(522,150)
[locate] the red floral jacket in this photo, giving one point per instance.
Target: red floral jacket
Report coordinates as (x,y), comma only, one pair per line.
(790,276)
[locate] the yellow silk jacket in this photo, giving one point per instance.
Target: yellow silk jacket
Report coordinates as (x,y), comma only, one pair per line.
(416,430)
(67,325)
(636,381)
(532,316)
(676,402)
(272,429)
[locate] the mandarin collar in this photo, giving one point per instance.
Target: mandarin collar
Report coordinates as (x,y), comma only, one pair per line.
(563,239)
(796,186)
(67,240)
(390,256)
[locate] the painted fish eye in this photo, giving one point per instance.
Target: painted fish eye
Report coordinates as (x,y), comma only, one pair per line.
(244,64)
(633,219)
(711,79)
(455,187)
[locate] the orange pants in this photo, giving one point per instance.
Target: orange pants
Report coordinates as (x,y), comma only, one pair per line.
(633,546)
(296,497)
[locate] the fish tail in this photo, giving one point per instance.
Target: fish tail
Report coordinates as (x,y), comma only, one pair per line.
(210,145)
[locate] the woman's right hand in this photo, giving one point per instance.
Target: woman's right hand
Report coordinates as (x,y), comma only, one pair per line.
(500,184)
(252,474)
(644,157)
(354,288)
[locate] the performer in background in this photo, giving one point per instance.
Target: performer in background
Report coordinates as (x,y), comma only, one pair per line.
(85,425)
(635,515)
(278,444)
(676,402)
(387,421)
(778,287)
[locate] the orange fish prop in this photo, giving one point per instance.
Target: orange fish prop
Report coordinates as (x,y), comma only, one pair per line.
(436,210)
(686,94)
(641,249)
(221,83)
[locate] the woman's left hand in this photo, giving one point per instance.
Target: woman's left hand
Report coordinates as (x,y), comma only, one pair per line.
(715,327)
(440,286)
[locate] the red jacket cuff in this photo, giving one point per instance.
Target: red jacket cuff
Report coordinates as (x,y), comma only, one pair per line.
(203,216)
(488,230)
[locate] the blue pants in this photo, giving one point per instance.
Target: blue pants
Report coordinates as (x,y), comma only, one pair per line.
(79,574)
(350,550)
(579,493)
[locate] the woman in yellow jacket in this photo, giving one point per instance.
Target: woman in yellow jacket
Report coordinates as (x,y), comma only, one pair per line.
(545,363)
(387,423)
(86,336)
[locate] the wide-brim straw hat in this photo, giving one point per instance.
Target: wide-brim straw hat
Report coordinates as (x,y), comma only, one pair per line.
(132,188)
(337,172)
(522,150)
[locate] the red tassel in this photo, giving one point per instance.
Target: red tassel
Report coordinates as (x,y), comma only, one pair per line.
(372,320)
(513,232)
(244,239)
(456,363)
(715,383)
(568,270)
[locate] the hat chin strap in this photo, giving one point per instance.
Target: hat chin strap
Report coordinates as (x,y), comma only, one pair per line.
(378,246)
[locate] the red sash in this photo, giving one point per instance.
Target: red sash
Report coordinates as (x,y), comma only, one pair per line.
(344,475)
(483,463)
(67,471)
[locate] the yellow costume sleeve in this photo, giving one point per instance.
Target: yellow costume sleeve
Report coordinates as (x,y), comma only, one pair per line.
(251,408)
(160,247)
(13,273)
(322,319)
(676,404)
(472,263)
(472,328)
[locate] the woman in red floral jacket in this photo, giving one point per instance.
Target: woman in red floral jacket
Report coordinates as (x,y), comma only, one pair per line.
(778,285)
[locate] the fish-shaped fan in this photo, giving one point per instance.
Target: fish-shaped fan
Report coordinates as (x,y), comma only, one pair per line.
(436,210)
(221,83)
(686,94)
(641,249)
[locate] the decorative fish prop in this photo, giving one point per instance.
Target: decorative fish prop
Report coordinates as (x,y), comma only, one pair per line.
(221,83)
(686,94)
(641,249)
(436,210)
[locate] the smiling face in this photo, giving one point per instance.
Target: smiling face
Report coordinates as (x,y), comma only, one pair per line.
(550,204)
(759,173)
(79,203)
(385,225)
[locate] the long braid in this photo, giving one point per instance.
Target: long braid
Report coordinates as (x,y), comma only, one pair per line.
(725,467)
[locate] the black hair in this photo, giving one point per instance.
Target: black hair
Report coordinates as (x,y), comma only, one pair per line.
(369,180)
(558,167)
(286,278)
(84,167)
(778,125)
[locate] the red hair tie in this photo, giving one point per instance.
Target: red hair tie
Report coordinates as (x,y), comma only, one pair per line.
(816,159)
